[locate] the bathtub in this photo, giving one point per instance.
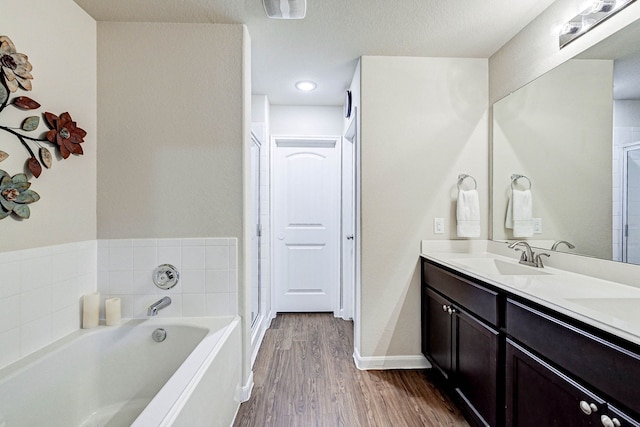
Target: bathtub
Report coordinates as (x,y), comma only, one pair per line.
(120,376)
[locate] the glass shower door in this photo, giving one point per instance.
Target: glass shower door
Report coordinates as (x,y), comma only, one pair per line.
(631,237)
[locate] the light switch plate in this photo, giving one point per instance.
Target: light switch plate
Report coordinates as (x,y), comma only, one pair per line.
(438,226)
(537,225)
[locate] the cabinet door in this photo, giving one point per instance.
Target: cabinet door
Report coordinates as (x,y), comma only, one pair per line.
(476,357)
(539,395)
(438,331)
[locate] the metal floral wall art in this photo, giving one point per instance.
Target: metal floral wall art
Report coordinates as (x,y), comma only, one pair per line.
(15,195)
(63,133)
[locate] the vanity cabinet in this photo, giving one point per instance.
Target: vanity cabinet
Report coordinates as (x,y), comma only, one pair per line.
(515,363)
(603,368)
(462,346)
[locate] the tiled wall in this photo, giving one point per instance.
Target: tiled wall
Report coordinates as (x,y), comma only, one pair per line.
(40,292)
(208,275)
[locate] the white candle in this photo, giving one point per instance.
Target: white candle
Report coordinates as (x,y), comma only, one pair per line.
(90,310)
(113,311)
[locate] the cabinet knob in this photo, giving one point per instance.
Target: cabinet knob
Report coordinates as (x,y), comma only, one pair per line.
(451,310)
(588,408)
(609,422)
(444,308)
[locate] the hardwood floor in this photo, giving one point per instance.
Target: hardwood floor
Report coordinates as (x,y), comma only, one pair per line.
(305,376)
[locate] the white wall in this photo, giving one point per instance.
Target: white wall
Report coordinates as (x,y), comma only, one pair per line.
(558,134)
(535,50)
(172,126)
(60,40)
(305,121)
(49,260)
(424,121)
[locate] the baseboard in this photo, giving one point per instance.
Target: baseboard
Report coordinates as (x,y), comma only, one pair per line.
(390,362)
(256,339)
(245,390)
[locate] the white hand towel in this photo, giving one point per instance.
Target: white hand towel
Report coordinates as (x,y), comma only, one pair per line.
(468,213)
(520,213)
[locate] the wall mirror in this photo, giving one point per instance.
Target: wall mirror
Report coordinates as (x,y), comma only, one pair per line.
(575,133)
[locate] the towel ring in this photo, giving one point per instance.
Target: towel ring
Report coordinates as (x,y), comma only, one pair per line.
(464,176)
(515,177)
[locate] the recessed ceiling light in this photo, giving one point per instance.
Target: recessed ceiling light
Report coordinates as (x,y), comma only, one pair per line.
(306,85)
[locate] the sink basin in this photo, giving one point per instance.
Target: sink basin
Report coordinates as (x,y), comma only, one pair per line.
(492,266)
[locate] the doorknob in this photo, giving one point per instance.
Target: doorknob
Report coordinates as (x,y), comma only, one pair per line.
(350,237)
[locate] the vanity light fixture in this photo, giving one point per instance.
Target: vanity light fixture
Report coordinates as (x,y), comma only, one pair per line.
(599,11)
(285,9)
(306,85)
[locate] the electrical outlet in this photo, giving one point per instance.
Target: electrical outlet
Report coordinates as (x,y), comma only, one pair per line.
(537,225)
(438,226)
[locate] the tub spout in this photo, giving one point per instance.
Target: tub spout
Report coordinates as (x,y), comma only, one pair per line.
(158,305)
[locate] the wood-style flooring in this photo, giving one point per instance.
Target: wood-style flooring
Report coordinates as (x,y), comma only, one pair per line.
(305,376)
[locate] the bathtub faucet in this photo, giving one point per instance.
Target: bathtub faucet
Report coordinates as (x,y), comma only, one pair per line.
(158,305)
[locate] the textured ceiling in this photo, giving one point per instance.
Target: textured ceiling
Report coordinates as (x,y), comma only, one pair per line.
(325,45)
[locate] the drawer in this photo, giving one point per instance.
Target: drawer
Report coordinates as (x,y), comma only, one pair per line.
(475,298)
(613,370)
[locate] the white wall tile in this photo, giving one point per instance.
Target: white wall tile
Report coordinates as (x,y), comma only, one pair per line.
(64,321)
(10,278)
(9,313)
(217,242)
(193,257)
(143,282)
(64,266)
(170,255)
(218,305)
(120,258)
(121,282)
(40,296)
(36,272)
(192,281)
(193,305)
(142,243)
(163,243)
(217,257)
(217,281)
(35,304)
(145,258)
(35,335)
(10,345)
(64,294)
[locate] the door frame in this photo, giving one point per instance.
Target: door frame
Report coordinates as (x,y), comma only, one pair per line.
(348,290)
(625,149)
(321,140)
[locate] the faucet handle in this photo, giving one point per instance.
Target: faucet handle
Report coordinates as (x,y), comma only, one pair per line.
(538,260)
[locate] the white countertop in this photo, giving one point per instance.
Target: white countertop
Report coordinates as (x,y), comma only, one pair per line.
(610,306)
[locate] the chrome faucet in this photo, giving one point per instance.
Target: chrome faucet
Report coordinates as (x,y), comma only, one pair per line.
(158,305)
(528,257)
(527,254)
(562,242)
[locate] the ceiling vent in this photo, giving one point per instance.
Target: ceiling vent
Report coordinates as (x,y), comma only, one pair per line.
(285,9)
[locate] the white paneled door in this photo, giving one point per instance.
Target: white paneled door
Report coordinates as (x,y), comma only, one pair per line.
(306,213)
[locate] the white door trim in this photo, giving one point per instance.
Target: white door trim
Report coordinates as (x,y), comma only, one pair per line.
(311,141)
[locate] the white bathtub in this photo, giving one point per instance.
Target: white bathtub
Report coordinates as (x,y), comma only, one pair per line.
(119,376)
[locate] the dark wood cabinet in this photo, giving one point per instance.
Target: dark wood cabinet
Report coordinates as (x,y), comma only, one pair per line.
(438,332)
(539,395)
(476,356)
(513,362)
(466,352)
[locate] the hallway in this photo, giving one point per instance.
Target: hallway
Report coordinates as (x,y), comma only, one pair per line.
(305,376)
